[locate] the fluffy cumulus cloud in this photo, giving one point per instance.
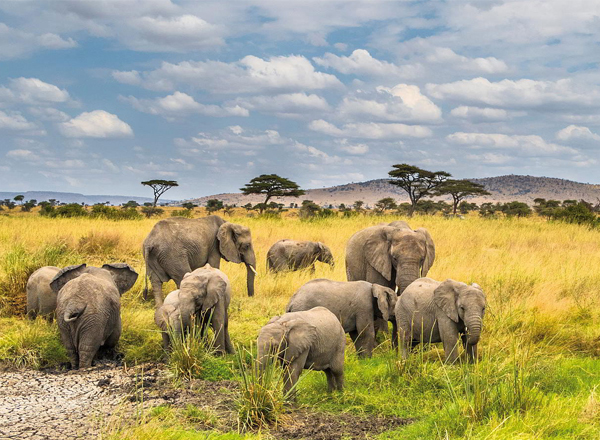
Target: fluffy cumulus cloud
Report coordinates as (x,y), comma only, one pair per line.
(523,93)
(360,62)
(180,105)
(577,133)
(446,56)
(15,43)
(355,149)
(370,130)
(251,74)
(286,105)
(96,124)
(402,103)
(478,114)
(528,145)
(15,121)
(32,91)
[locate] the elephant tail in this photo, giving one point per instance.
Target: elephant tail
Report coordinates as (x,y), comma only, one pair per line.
(74,312)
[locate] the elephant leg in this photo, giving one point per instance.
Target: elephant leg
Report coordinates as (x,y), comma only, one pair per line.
(450,341)
(337,370)
(228,345)
(366,339)
(166,341)
(354,336)
(405,341)
(218,325)
(394,334)
(87,352)
(156,289)
(214,259)
(67,341)
(292,371)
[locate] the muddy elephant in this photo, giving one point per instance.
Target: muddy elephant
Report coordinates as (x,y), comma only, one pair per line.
(433,311)
(88,308)
(204,296)
(177,246)
(295,255)
(312,339)
(356,304)
(41,299)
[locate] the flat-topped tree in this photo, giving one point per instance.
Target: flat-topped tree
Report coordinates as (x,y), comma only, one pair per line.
(272,185)
(460,190)
(417,182)
(159,187)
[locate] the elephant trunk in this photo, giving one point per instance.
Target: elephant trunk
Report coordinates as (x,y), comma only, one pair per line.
(473,324)
(250,261)
(406,274)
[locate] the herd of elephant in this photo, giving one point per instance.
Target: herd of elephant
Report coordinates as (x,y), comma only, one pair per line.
(386,266)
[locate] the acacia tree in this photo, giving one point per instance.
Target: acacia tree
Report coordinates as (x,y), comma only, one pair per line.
(272,185)
(460,190)
(417,182)
(213,205)
(385,204)
(159,187)
(19,198)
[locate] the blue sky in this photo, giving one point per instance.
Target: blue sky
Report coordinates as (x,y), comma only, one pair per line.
(96,96)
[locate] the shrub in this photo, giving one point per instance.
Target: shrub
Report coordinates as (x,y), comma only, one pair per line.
(151,211)
(579,213)
(112,213)
(69,210)
(187,213)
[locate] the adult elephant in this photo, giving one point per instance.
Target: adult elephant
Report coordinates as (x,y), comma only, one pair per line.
(176,246)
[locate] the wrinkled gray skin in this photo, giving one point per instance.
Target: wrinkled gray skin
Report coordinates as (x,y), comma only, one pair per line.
(205,293)
(88,309)
(391,255)
(295,255)
(41,299)
(177,246)
(433,311)
(356,304)
(312,339)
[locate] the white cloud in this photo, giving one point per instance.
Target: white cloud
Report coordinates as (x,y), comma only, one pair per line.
(478,114)
(523,93)
(353,149)
(177,34)
(248,75)
(402,103)
(446,56)
(65,164)
(16,43)
(49,114)
(290,105)
(370,130)
(575,132)
(15,121)
(182,104)
(56,42)
(96,124)
(528,145)
(360,62)
(32,91)
(21,154)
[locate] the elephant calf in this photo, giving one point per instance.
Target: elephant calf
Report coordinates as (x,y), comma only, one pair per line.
(295,255)
(204,293)
(311,339)
(88,309)
(433,311)
(41,299)
(356,304)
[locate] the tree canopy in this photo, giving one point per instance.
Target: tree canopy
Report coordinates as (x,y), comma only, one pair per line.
(159,187)
(416,181)
(460,190)
(272,185)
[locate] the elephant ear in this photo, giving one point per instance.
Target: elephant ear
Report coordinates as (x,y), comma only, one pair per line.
(299,337)
(429,251)
(445,296)
(65,275)
(215,290)
(227,242)
(377,253)
(399,224)
(123,275)
(385,300)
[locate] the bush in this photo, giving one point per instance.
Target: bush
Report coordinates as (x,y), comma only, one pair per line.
(187,213)
(151,211)
(112,213)
(68,211)
(580,213)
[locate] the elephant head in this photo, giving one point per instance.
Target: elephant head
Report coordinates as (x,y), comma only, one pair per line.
(121,274)
(324,254)
(235,245)
(461,302)
(284,339)
(400,255)
(198,293)
(386,300)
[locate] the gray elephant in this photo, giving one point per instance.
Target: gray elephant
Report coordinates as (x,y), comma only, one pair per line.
(312,339)
(88,309)
(294,255)
(41,299)
(177,246)
(433,311)
(204,293)
(357,304)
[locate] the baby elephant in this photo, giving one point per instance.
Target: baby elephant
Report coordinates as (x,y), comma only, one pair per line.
(204,293)
(41,299)
(88,309)
(431,311)
(312,339)
(357,304)
(295,255)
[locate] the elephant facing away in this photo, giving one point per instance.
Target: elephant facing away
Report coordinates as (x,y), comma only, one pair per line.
(88,309)
(312,339)
(204,294)
(433,311)
(177,246)
(356,304)
(41,299)
(294,255)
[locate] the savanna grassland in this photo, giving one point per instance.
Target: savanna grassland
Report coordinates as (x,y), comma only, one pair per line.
(539,365)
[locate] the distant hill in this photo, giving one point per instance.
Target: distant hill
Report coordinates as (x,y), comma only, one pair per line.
(66,197)
(502,189)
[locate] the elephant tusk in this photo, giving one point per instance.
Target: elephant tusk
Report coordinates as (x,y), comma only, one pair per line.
(396,290)
(253,269)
